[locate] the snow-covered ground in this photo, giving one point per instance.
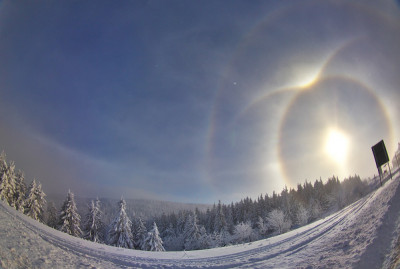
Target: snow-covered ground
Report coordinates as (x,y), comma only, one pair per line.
(362,235)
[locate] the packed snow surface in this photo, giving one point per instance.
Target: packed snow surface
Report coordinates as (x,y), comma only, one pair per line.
(362,235)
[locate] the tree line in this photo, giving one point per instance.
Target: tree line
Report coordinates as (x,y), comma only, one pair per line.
(220,225)
(268,215)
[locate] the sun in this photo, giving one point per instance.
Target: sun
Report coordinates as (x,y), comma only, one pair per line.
(336,145)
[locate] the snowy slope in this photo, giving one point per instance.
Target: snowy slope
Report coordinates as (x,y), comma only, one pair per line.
(361,235)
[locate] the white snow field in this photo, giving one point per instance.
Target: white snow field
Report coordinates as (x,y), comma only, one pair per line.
(362,235)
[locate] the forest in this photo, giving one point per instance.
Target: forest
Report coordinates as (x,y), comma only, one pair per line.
(209,227)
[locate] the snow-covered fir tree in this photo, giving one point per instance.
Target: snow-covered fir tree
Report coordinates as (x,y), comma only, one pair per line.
(153,241)
(3,164)
(180,225)
(3,161)
(3,176)
(35,201)
(191,233)
(226,237)
(7,183)
(210,218)
(139,233)
(216,240)
(205,239)
(20,190)
(12,184)
(219,222)
(93,224)
(120,234)
(51,215)
(170,239)
(69,219)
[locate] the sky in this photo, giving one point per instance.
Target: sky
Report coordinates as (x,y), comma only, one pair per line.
(196,101)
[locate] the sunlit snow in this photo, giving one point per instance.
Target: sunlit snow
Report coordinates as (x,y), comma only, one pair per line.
(362,234)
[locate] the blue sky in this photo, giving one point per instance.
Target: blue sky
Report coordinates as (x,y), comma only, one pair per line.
(196,101)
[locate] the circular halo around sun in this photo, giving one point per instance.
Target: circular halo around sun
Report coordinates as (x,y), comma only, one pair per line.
(260,92)
(315,138)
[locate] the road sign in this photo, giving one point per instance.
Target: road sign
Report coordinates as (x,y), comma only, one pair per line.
(381,157)
(380,154)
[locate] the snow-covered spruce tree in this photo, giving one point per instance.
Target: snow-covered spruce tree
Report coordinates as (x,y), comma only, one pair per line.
(226,237)
(170,239)
(205,239)
(180,225)
(93,224)
(191,233)
(12,185)
(220,221)
(7,184)
(210,218)
(216,240)
(3,161)
(120,234)
(3,164)
(230,225)
(139,234)
(30,198)
(278,222)
(34,203)
(51,218)
(153,241)
(20,190)
(69,219)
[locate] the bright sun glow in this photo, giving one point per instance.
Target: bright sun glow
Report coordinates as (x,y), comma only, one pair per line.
(336,145)
(304,77)
(308,80)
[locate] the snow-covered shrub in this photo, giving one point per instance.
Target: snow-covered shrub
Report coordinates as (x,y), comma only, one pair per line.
(302,216)
(278,222)
(243,232)
(262,227)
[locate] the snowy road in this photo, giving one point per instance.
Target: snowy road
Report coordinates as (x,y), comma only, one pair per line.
(360,235)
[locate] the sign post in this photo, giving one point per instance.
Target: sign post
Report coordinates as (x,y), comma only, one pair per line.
(381,157)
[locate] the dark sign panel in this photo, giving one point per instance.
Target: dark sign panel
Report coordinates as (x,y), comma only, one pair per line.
(380,154)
